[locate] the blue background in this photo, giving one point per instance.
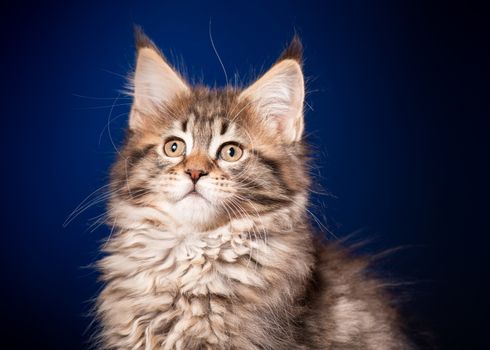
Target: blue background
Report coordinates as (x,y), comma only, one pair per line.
(399,93)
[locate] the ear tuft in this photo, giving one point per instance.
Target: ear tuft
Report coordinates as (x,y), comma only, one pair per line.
(141,39)
(294,51)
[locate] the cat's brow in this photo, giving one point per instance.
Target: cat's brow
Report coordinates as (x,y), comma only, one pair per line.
(224,127)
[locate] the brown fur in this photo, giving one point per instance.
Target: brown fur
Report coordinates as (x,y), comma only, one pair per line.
(246,271)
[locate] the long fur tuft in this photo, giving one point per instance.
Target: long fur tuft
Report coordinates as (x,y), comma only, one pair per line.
(294,50)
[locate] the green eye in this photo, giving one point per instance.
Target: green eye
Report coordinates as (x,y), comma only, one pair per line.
(174,148)
(230,152)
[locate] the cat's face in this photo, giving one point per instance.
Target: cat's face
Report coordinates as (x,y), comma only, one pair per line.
(203,157)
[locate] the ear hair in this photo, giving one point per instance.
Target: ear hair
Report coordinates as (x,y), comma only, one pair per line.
(142,40)
(278,96)
(154,83)
(294,51)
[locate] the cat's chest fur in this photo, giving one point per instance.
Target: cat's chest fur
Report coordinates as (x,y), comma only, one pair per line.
(180,289)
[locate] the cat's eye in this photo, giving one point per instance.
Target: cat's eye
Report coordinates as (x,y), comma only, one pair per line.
(230,152)
(174,147)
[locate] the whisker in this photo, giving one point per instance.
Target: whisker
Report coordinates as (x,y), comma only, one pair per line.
(103,107)
(108,124)
(216,52)
(99,98)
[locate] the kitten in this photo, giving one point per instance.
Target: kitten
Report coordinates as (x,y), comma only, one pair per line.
(212,246)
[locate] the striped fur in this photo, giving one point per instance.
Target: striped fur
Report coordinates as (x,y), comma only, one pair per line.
(235,264)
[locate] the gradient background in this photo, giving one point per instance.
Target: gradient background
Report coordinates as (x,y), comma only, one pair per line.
(399,92)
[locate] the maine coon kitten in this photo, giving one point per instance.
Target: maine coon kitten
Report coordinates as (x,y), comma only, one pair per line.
(212,247)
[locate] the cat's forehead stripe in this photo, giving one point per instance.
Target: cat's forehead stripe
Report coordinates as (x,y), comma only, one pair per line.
(224,126)
(204,128)
(202,132)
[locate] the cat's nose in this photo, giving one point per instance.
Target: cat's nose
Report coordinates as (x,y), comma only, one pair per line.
(195,174)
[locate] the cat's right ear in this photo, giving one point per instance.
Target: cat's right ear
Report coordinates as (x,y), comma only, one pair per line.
(154,83)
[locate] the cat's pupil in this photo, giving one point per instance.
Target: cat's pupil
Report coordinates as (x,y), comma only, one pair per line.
(231,151)
(174,147)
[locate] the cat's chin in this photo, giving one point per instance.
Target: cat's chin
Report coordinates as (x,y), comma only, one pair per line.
(194,209)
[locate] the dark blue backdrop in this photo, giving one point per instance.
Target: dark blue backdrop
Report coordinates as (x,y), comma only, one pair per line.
(398,98)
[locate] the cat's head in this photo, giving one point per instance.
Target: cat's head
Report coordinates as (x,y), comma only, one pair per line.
(204,156)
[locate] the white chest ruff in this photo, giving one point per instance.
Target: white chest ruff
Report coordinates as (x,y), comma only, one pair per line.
(166,289)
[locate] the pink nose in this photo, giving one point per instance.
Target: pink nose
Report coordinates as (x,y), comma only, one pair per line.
(195,174)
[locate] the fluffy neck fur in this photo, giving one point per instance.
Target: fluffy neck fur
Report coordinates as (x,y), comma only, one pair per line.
(172,287)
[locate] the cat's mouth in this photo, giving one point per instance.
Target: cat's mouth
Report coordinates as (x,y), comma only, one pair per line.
(194,193)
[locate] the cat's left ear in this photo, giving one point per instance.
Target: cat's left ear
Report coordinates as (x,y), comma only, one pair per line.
(278,96)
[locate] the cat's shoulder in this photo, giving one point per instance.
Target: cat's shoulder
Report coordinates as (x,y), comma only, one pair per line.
(341,272)
(350,302)
(336,259)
